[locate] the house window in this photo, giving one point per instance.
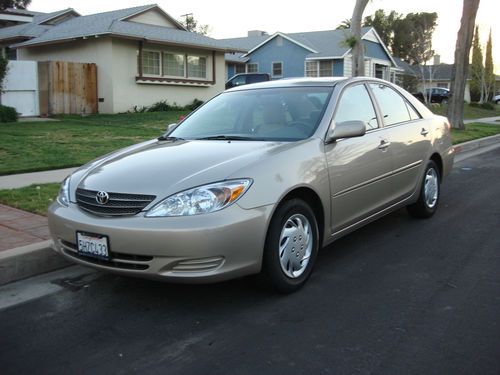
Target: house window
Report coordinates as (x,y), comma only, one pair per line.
(311,68)
(239,69)
(151,62)
(252,68)
(173,65)
(277,69)
(326,68)
(379,71)
(197,67)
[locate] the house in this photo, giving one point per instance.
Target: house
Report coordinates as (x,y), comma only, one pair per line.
(143,55)
(306,54)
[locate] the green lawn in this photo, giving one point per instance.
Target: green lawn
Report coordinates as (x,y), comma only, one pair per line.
(74,140)
(37,198)
(470,112)
(474,131)
(34,198)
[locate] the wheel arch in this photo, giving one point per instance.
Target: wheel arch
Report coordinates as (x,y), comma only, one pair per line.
(309,196)
(436,158)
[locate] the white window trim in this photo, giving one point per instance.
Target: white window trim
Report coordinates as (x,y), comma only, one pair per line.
(253,63)
(317,67)
(187,55)
(160,67)
(185,65)
(186,73)
(272,69)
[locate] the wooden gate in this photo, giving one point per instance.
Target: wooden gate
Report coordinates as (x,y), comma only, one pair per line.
(67,87)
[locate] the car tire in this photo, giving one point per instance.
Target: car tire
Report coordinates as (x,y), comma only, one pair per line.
(444,101)
(291,247)
(430,189)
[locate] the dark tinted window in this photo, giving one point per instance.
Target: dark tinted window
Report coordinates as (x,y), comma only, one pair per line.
(391,104)
(355,105)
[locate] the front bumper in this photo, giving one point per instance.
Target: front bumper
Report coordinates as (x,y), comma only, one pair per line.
(204,248)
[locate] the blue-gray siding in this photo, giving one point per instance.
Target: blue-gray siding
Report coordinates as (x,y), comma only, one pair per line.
(375,50)
(290,54)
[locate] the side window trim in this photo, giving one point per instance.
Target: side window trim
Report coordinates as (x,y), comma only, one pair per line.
(374,105)
(407,103)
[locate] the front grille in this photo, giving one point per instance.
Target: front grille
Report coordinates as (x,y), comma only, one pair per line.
(116,260)
(119,204)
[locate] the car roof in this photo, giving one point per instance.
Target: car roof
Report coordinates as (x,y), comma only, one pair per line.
(292,82)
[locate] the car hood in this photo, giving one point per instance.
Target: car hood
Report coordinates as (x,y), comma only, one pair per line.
(162,168)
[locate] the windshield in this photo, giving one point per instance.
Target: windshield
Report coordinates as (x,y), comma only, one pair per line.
(277,114)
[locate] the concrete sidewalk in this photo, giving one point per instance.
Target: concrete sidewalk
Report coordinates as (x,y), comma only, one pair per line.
(485,120)
(25,240)
(14,181)
(25,245)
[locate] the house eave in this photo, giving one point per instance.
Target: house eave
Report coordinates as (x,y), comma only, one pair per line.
(122,36)
(283,36)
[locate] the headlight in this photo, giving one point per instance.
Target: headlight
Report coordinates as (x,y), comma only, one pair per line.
(63,196)
(202,199)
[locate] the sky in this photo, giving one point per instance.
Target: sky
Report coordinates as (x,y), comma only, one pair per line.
(229,19)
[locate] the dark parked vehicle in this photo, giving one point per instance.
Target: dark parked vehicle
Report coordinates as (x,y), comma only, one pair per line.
(436,95)
(246,78)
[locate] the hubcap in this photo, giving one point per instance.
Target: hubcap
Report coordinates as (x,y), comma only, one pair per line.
(431,188)
(295,246)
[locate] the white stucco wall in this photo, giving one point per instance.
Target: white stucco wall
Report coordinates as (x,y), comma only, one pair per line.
(128,93)
(117,68)
(153,17)
(92,50)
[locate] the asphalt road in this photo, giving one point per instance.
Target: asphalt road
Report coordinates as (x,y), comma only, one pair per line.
(401,296)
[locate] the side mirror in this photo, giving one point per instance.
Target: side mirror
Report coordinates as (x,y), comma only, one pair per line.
(346,129)
(171,127)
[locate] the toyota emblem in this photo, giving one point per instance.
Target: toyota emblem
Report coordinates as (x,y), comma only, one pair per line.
(102,197)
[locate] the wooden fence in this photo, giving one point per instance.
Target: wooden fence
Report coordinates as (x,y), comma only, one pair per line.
(67,87)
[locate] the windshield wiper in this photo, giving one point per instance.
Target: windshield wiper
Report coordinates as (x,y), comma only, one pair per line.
(223,137)
(169,138)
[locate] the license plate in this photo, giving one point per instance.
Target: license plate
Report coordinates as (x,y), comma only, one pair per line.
(92,245)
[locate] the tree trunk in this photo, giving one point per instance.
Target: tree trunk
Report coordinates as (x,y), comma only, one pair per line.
(455,112)
(358,53)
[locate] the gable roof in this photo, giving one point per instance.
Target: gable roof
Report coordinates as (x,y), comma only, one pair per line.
(34,28)
(116,23)
(320,44)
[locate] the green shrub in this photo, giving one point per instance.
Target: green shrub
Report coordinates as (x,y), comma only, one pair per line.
(485,105)
(195,104)
(7,114)
(488,105)
(164,106)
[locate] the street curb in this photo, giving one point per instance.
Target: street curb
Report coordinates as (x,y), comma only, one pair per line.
(476,143)
(26,261)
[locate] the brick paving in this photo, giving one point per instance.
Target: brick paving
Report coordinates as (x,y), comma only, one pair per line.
(20,228)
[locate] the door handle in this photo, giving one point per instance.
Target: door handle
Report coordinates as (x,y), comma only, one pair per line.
(424,132)
(384,143)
